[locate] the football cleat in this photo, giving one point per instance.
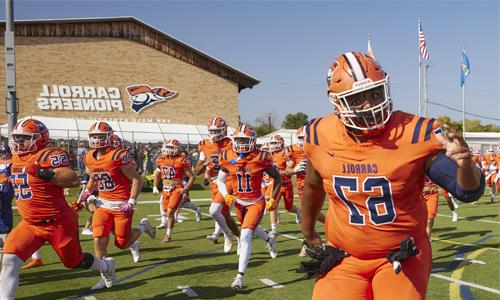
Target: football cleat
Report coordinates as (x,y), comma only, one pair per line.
(179,219)
(166,239)
(228,244)
(134,249)
(161,225)
(303,251)
(213,238)
(87,231)
(237,284)
(109,274)
(454,216)
(149,230)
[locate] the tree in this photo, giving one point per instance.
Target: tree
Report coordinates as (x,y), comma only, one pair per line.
(265,124)
(294,121)
(470,125)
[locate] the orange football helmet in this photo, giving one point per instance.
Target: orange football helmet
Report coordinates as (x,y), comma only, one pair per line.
(264,147)
(100,135)
(301,135)
(490,151)
(170,147)
(217,129)
(116,141)
(276,143)
(244,139)
(359,89)
(29,135)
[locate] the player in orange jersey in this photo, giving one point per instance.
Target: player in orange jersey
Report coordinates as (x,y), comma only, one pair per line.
(490,163)
(6,195)
(430,194)
(119,185)
(452,204)
(372,162)
(208,161)
(172,168)
(39,175)
(245,165)
(281,158)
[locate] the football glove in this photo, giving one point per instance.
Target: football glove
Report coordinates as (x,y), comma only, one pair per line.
(126,208)
(407,249)
(43,174)
(206,182)
(84,196)
(155,190)
(229,199)
(323,260)
(299,168)
(76,206)
(271,204)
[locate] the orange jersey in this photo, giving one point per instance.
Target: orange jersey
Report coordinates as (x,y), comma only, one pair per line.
(490,163)
(297,155)
(212,152)
(374,187)
(172,168)
(113,185)
(430,187)
(36,199)
(280,159)
(246,173)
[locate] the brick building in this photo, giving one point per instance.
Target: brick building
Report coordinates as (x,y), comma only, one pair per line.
(94,69)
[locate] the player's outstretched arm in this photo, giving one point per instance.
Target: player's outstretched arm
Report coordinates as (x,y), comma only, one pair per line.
(313,197)
(276,176)
(65,177)
(190,182)
(454,170)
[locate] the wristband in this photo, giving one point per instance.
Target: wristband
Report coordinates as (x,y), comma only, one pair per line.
(132,202)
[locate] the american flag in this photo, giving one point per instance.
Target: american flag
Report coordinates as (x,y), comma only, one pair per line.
(423,45)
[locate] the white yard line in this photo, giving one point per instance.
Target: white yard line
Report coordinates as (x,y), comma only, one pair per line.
(271,283)
(467,219)
(188,291)
(474,285)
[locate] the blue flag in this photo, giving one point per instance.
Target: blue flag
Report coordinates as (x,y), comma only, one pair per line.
(464,68)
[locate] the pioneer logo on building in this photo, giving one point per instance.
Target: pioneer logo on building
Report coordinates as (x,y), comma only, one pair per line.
(80,98)
(143,96)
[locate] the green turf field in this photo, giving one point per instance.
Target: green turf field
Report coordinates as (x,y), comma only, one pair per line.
(190,260)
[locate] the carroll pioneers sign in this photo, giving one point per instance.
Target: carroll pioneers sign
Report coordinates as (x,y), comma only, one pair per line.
(81,98)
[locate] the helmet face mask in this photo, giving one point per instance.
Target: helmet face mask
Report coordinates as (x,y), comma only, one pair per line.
(217,129)
(276,143)
(28,136)
(300,134)
(244,139)
(359,89)
(170,147)
(100,134)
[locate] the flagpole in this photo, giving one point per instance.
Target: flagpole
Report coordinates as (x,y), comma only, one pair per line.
(463,110)
(419,67)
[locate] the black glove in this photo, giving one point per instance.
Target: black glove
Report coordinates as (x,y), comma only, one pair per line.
(323,260)
(407,249)
(206,182)
(45,174)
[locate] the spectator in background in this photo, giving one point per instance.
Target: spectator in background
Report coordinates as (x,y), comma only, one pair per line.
(139,158)
(148,163)
(80,152)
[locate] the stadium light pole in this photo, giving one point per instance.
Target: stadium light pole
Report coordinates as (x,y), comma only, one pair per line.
(10,65)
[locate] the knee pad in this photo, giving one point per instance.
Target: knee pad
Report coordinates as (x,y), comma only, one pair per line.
(87,261)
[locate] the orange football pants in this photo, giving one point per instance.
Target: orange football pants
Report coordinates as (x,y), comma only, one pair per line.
(362,279)
(62,234)
(431,200)
(107,220)
(250,215)
(171,200)
(286,192)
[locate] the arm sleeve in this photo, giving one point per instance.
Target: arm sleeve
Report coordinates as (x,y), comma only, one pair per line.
(221,183)
(443,171)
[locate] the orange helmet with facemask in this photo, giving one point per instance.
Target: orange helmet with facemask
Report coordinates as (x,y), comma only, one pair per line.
(217,129)
(100,135)
(171,147)
(244,139)
(28,136)
(359,89)
(300,134)
(276,143)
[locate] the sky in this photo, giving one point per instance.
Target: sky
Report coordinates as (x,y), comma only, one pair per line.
(289,46)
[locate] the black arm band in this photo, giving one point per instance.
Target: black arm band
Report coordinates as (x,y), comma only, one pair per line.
(46,174)
(443,171)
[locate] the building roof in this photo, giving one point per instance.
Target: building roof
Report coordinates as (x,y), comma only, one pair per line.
(136,30)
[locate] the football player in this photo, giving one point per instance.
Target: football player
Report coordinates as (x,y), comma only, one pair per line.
(490,164)
(39,175)
(281,158)
(372,161)
(245,165)
(208,161)
(172,168)
(113,171)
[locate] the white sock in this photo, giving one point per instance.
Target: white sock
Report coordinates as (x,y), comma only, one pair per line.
(261,233)
(246,249)
(274,227)
(162,212)
(36,254)
(169,232)
(9,277)
(215,209)
(217,230)
(99,265)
